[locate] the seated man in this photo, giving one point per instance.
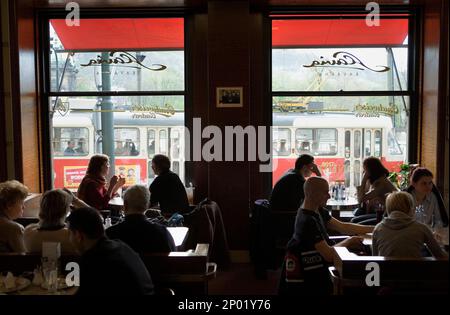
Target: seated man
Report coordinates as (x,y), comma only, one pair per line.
(107,267)
(310,250)
(140,234)
(287,194)
(167,188)
(70,150)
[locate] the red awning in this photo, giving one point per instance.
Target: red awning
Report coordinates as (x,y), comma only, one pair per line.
(119,33)
(338,32)
(168,33)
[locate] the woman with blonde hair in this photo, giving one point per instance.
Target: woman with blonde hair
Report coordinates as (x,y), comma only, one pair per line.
(399,234)
(55,205)
(93,188)
(12,196)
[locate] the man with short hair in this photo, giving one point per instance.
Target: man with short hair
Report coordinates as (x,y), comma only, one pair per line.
(167,188)
(311,246)
(287,194)
(107,267)
(70,150)
(136,230)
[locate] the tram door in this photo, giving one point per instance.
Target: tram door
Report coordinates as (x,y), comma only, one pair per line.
(157,143)
(360,144)
(372,142)
(353,157)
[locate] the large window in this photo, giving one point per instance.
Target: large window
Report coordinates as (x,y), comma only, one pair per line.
(115,86)
(343,90)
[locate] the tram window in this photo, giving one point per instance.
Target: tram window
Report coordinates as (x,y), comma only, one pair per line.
(367,143)
(347,144)
(126,141)
(393,146)
(151,143)
(281,141)
(163,144)
(325,141)
(357,144)
(377,150)
(70,141)
(303,140)
(316,141)
(175,144)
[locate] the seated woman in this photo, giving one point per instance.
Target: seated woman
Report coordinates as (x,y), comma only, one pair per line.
(12,196)
(375,185)
(93,189)
(399,234)
(55,205)
(426,194)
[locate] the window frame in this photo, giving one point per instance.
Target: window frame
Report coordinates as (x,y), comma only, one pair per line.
(411,91)
(43,19)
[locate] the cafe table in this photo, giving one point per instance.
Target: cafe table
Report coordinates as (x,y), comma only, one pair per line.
(338,206)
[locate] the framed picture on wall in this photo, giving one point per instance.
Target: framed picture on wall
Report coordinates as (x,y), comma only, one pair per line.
(229,97)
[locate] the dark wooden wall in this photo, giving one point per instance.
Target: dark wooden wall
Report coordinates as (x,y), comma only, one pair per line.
(433,92)
(3,153)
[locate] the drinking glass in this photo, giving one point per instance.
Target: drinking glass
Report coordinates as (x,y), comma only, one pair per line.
(420,214)
(50,272)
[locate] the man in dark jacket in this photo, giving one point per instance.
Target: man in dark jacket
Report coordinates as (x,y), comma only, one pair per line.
(107,267)
(287,194)
(167,188)
(136,231)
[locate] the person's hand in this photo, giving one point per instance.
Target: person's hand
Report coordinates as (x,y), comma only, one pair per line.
(113,180)
(315,169)
(75,202)
(353,242)
(120,182)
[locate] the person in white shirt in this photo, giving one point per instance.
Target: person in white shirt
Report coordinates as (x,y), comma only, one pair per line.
(55,205)
(427,195)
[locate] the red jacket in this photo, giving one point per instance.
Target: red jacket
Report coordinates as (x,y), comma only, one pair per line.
(92,190)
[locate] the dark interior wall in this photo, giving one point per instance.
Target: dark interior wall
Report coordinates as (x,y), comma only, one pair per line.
(433,92)
(227,48)
(3,158)
(228,65)
(24,95)
(443,112)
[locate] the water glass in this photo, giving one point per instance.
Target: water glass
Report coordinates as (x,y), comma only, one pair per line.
(420,214)
(50,272)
